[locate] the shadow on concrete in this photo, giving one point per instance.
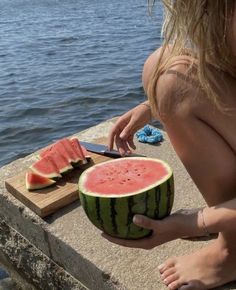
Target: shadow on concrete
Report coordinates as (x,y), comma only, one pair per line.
(61,212)
(202,239)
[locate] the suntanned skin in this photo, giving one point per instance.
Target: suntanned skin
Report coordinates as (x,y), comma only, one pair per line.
(204,139)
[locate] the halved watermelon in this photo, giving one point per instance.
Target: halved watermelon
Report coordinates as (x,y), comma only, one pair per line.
(46,167)
(35,181)
(112,192)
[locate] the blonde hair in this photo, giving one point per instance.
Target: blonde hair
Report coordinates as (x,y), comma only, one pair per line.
(202,26)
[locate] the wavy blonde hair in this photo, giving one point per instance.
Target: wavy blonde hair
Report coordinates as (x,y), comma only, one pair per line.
(202,26)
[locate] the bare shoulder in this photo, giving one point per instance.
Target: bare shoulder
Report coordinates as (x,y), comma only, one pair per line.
(178,95)
(178,63)
(174,83)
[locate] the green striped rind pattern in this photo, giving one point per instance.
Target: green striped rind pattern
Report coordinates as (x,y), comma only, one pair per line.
(114,215)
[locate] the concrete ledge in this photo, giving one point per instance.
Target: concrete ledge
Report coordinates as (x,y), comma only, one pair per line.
(29,266)
(73,247)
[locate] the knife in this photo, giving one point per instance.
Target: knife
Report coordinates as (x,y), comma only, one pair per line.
(103,150)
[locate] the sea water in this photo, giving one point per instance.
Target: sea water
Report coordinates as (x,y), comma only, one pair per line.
(66,65)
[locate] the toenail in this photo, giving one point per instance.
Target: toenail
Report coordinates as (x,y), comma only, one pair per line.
(161,266)
(165,281)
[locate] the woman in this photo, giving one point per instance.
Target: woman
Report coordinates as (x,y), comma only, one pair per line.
(191,89)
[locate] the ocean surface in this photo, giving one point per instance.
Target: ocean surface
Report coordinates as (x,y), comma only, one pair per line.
(66,65)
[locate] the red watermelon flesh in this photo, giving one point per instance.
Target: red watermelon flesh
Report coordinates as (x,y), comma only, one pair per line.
(35,181)
(46,151)
(77,147)
(85,152)
(60,148)
(69,148)
(46,167)
(64,148)
(125,176)
(61,162)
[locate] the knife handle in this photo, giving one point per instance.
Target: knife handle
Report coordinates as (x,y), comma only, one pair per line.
(112,153)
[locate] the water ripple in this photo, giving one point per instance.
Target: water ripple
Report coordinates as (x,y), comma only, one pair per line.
(67,65)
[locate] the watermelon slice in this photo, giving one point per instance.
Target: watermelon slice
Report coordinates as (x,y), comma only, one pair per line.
(77,148)
(61,162)
(112,192)
(46,167)
(35,181)
(85,152)
(63,149)
(69,148)
(46,151)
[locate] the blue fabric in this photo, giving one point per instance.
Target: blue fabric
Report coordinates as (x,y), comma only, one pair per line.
(149,135)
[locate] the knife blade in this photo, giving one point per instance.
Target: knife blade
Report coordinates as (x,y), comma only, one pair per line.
(103,150)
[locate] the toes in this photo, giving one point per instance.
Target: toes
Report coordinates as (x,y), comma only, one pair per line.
(171,280)
(176,284)
(168,263)
(167,273)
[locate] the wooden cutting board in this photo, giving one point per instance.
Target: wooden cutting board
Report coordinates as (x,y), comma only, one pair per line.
(46,201)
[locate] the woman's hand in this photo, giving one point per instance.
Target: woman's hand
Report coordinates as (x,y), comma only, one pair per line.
(163,231)
(122,133)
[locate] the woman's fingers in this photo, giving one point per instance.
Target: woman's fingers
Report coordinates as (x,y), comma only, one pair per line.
(145,222)
(126,137)
(122,137)
(121,145)
(115,131)
(111,139)
(131,142)
(124,129)
(119,128)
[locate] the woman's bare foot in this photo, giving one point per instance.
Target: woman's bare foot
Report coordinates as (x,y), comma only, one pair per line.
(207,268)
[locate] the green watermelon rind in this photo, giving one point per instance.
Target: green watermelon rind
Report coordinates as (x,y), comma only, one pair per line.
(114,214)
